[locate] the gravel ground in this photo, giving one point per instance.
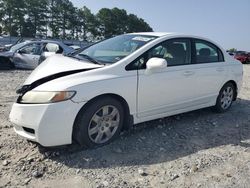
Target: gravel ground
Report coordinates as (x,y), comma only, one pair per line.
(195,149)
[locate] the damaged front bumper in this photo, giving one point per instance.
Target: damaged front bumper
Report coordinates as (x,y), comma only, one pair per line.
(47,124)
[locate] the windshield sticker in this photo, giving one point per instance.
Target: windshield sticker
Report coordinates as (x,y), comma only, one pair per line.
(144,39)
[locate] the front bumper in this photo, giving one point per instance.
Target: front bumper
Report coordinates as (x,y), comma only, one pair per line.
(47,124)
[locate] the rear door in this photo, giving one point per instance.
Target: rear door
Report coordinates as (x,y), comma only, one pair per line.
(210,70)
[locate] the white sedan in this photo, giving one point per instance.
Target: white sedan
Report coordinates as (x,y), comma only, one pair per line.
(89,98)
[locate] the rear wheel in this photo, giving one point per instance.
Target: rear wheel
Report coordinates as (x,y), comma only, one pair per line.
(99,123)
(225,98)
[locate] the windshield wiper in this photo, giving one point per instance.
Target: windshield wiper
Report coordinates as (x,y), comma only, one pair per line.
(69,55)
(90,58)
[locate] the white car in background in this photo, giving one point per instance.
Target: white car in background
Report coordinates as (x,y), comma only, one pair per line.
(90,97)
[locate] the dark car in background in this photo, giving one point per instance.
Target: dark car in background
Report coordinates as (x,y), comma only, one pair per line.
(242,56)
(248,57)
(29,54)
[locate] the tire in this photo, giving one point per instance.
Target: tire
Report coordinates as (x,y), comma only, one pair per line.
(6,67)
(99,123)
(225,98)
(6,64)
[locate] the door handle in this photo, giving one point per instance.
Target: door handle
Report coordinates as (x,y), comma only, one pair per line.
(220,69)
(188,73)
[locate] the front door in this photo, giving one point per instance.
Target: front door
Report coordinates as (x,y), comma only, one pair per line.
(171,88)
(28,56)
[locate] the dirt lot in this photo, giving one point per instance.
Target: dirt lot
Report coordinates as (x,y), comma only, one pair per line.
(196,149)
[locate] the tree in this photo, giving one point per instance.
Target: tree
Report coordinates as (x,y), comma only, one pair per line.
(1,16)
(67,10)
(136,24)
(120,20)
(28,18)
(37,16)
(13,12)
(74,25)
(116,21)
(105,22)
(87,23)
(53,18)
(61,12)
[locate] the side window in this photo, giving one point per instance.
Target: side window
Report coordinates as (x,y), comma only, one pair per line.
(51,47)
(205,52)
(33,49)
(175,51)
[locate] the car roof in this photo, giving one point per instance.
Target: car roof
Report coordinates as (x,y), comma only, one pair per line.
(175,34)
(169,34)
(45,41)
(66,48)
(157,34)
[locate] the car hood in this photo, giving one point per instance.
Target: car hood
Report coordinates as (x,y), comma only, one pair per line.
(58,66)
(6,54)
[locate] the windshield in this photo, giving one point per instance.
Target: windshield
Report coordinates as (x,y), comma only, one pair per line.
(18,46)
(112,50)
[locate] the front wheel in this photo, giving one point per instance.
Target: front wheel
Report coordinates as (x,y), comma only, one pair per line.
(99,123)
(225,98)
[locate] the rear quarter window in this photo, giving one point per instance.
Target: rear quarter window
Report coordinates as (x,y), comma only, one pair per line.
(206,52)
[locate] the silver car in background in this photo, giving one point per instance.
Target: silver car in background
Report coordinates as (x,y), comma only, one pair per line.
(29,54)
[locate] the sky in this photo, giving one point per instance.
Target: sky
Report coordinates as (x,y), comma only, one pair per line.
(226,22)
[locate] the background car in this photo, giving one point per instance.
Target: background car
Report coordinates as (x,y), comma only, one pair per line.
(75,47)
(1,48)
(248,57)
(242,56)
(29,54)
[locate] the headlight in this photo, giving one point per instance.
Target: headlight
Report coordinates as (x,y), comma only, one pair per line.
(40,97)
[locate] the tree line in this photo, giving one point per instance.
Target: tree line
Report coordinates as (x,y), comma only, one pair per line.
(60,19)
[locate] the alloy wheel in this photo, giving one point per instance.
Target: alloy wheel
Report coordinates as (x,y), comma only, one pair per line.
(227,97)
(104,124)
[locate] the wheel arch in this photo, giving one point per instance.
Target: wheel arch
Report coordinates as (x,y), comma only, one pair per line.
(128,120)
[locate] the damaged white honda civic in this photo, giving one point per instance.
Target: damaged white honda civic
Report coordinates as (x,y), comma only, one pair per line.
(91,96)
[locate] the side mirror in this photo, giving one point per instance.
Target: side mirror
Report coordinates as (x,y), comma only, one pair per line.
(21,51)
(155,64)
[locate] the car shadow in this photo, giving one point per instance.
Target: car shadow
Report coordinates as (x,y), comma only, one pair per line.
(163,140)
